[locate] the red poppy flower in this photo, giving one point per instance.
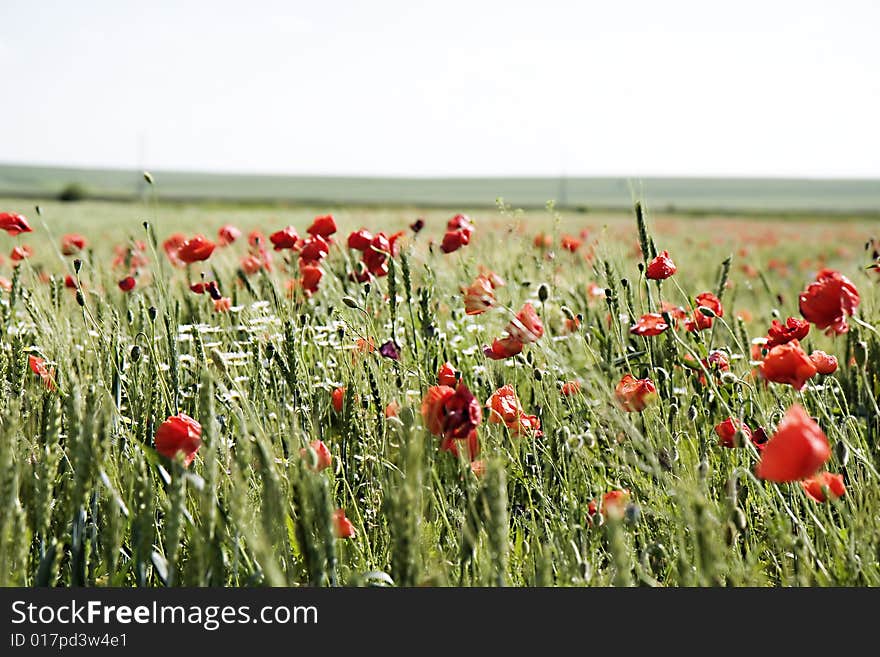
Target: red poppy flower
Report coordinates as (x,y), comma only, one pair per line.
(634,394)
(392,409)
(570,388)
(314,249)
(375,256)
(359,240)
(816,486)
(338,399)
(543,241)
(417,225)
(21,252)
(503,348)
(127,284)
(451,413)
(254,262)
(447,376)
(72,243)
(323,459)
(794,329)
(342,525)
(788,363)
(661,267)
(796,451)
(649,325)
(675,312)
(728,429)
(70,282)
(38,366)
(256,239)
(613,504)
(227,235)
(505,408)
(571,243)
(310,277)
(827,301)
(222,305)
(479,296)
(323,226)
(196,249)
(460,222)
(14,223)
(455,239)
(179,433)
(824,363)
(472,442)
(526,326)
(171,246)
(286,238)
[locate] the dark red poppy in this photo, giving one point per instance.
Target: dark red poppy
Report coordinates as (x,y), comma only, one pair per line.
(390,350)
(649,325)
(72,243)
(727,432)
(323,458)
(447,376)
(310,277)
(788,363)
(503,348)
(451,413)
(286,238)
(472,442)
(21,252)
(342,525)
(660,267)
(796,451)
(526,327)
(227,235)
(198,288)
(127,284)
(825,363)
(359,240)
(338,399)
(179,434)
(375,256)
(634,394)
(817,485)
(324,226)
(827,301)
(454,240)
(314,249)
(417,225)
(196,249)
(14,223)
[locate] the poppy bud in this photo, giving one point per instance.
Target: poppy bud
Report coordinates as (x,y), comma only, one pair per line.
(703,469)
(135,354)
(151,313)
(624,283)
(351,303)
(706,312)
(38,209)
(148,177)
(79,298)
(537,374)
(841,452)
(692,413)
(567,312)
(728,378)
(860,351)
(543,293)
(738,518)
(77,265)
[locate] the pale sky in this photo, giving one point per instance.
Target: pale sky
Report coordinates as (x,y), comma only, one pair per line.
(633,88)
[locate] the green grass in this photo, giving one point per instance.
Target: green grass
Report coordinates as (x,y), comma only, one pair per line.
(683,194)
(88,501)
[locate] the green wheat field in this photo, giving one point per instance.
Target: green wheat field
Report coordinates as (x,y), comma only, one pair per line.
(574,486)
